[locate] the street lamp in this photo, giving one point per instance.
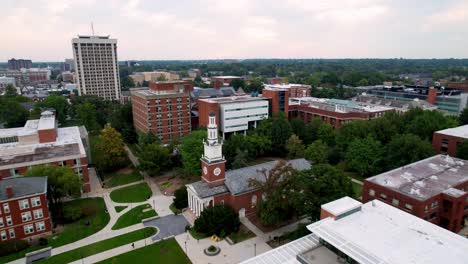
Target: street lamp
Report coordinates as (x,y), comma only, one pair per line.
(255,249)
(186,248)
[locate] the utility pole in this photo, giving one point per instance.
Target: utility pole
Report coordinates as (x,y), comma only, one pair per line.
(255,249)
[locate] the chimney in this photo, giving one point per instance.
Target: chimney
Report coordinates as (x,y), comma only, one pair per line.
(9,192)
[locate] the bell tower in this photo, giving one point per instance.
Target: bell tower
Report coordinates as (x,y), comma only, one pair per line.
(212,161)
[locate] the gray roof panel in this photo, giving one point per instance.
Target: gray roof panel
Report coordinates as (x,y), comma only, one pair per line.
(23,186)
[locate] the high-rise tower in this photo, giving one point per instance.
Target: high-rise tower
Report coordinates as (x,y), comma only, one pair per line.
(212,161)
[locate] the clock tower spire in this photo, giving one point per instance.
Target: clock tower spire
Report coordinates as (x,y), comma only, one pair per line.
(212,161)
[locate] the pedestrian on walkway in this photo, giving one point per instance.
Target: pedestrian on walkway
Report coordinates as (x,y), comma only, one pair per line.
(133,245)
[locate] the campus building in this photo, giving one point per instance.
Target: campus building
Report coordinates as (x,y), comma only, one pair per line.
(400,106)
(232,187)
(434,189)
(154,76)
(23,208)
(40,142)
(223,81)
(163,109)
(17,64)
(369,233)
(334,111)
(27,76)
(96,66)
(233,114)
(446,141)
(279,95)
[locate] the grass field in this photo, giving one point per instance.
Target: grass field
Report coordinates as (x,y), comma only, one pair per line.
(166,251)
(131,194)
(174,209)
(73,231)
(119,209)
(117,179)
(134,216)
(243,234)
(100,246)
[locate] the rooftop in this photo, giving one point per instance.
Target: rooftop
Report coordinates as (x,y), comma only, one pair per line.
(227,77)
(284,86)
(341,205)
(145,91)
(461,131)
(426,178)
(338,105)
(232,99)
(212,92)
(395,103)
(23,186)
(381,233)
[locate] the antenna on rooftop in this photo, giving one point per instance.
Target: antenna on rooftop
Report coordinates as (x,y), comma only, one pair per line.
(92,28)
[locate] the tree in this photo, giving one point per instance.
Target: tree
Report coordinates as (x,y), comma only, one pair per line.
(462,150)
(147,138)
(277,130)
(275,185)
(181,198)
(298,127)
(427,122)
(10,91)
(463,118)
(238,83)
(294,147)
(87,114)
(405,149)
(55,101)
(255,85)
(191,150)
(220,220)
(317,152)
(154,158)
(350,131)
(161,78)
(319,185)
(112,146)
(122,120)
(326,133)
(61,182)
(12,114)
(241,159)
(365,156)
(126,83)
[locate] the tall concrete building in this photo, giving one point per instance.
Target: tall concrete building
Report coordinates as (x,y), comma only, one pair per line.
(96,66)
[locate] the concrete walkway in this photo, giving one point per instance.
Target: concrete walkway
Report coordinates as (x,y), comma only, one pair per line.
(357,181)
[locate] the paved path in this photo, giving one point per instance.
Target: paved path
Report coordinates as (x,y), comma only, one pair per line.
(357,181)
(168,226)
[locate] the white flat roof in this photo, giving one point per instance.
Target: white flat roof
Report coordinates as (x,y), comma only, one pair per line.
(381,233)
(461,131)
(341,205)
(228,77)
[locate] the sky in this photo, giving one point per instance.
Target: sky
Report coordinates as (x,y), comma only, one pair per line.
(222,29)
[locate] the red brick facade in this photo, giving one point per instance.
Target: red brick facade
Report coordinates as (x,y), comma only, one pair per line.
(446,144)
(12,224)
(204,109)
(279,100)
(245,203)
(443,210)
(47,135)
(220,81)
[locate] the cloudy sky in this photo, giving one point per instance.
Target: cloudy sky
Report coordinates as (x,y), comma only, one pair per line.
(215,29)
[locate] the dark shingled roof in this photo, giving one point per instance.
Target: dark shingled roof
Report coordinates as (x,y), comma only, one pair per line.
(23,186)
(212,92)
(237,181)
(203,190)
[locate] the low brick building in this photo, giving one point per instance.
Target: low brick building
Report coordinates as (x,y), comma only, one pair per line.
(163,109)
(40,142)
(279,95)
(446,141)
(434,189)
(228,187)
(23,208)
(223,81)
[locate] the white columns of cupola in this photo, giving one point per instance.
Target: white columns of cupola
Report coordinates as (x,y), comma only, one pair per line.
(196,204)
(212,129)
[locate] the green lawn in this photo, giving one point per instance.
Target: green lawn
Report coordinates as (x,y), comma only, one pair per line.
(119,209)
(117,179)
(174,209)
(357,190)
(134,216)
(166,251)
(73,231)
(100,246)
(243,234)
(131,194)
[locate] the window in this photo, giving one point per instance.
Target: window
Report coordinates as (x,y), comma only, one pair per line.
(395,202)
(383,196)
(9,221)
(1,222)
(254,200)
(40,226)
(445,141)
(435,204)
(4,236)
(221,202)
(12,233)
(26,216)
(371,192)
(409,207)
(28,229)
(38,214)
(24,204)
(6,208)
(36,201)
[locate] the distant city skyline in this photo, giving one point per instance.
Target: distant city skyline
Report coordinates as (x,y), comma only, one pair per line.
(208,29)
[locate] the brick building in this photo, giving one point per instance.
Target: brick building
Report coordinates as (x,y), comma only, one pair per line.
(40,142)
(233,114)
(334,111)
(446,141)
(223,81)
(228,187)
(462,86)
(163,109)
(17,64)
(279,95)
(23,208)
(434,189)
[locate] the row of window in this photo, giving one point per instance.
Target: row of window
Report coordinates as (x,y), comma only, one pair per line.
(28,229)
(395,201)
(246,108)
(25,217)
(23,204)
(247,116)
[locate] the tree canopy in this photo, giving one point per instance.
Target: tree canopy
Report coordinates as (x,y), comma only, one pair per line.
(191,150)
(220,220)
(112,146)
(154,158)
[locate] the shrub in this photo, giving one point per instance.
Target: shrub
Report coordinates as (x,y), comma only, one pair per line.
(181,199)
(220,220)
(212,248)
(7,248)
